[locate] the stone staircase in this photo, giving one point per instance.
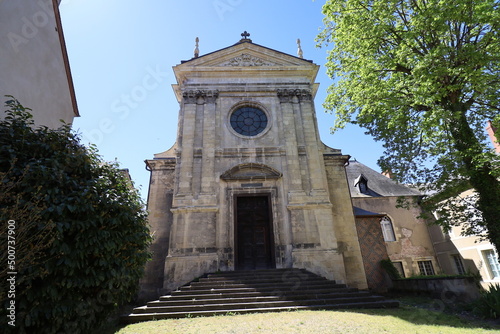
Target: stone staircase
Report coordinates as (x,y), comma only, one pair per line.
(270,290)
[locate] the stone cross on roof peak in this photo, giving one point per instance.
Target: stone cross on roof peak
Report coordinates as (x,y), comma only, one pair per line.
(245,36)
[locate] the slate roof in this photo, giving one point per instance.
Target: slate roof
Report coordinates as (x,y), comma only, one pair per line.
(358,212)
(378,184)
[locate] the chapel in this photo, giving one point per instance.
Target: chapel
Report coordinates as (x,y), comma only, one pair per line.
(248,184)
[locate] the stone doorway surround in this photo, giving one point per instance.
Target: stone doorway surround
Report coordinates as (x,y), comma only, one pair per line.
(254,180)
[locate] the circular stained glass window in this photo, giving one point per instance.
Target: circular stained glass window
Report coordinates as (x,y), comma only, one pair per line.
(248,121)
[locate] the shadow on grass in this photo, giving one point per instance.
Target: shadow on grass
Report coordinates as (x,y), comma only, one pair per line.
(114,323)
(424,310)
(112,328)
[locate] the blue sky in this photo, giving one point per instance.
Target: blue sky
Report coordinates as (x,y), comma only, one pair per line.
(121,56)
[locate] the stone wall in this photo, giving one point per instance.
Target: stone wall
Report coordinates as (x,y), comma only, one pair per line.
(160,222)
(454,289)
(412,242)
(343,220)
(373,251)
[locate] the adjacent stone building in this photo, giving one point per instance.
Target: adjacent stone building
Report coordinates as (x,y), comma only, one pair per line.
(458,253)
(403,232)
(248,183)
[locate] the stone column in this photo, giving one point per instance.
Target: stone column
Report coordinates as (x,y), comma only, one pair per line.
(208,154)
(187,142)
(287,100)
(314,158)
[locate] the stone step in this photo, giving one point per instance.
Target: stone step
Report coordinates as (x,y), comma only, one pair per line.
(261,274)
(214,299)
(256,291)
(273,290)
(228,300)
(256,279)
(182,295)
(137,317)
(217,299)
(185,295)
(308,285)
(257,304)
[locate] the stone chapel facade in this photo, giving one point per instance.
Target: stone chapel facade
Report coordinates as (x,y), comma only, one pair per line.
(248,183)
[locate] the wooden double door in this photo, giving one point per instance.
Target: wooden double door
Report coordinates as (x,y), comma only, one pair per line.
(254,234)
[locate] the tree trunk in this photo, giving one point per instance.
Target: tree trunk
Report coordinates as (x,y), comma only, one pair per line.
(479,173)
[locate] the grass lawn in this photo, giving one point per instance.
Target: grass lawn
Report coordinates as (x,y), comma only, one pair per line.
(406,319)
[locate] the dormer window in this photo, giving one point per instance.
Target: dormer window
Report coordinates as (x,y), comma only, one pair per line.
(363,187)
(361,183)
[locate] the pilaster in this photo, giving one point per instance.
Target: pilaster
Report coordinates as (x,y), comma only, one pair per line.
(288,108)
(312,144)
(187,142)
(208,153)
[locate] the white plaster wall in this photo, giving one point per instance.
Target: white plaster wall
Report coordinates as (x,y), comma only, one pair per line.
(32,61)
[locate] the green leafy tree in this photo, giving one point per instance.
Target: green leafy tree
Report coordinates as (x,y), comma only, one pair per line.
(81,230)
(16,207)
(423,77)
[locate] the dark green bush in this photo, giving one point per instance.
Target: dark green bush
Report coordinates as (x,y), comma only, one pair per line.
(391,270)
(92,223)
(488,305)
